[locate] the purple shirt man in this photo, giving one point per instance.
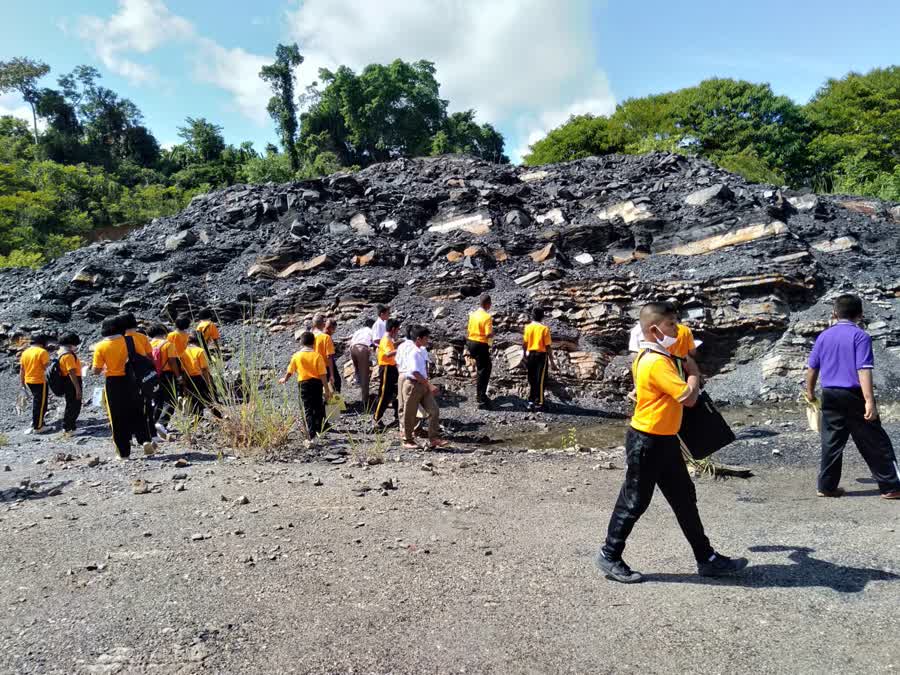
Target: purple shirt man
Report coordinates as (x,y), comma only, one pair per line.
(839,353)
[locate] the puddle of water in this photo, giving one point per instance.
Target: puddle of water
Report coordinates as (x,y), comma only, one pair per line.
(611,433)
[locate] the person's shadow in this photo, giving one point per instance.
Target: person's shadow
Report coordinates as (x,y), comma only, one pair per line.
(803,572)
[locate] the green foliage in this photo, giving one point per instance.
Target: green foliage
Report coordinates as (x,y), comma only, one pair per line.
(282,106)
(21,75)
(462,134)
(582,136)
(203,139)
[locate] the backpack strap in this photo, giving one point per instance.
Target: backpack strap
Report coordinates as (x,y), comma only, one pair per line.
(129,343)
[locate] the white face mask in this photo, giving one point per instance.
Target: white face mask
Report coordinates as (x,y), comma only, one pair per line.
(666,341)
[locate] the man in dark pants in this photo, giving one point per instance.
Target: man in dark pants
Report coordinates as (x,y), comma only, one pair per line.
(387,366)
(70,369)
(32,376)
(536,344)
(842,356)
(312,379)
(653,453)
(478,343)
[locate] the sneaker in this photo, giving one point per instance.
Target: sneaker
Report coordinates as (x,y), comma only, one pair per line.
(154,444)
(148,448)
(28,431)
(721,565)
(68,434)
(531,405)
(617,570)
(895,494)
(162,431)
(837,492)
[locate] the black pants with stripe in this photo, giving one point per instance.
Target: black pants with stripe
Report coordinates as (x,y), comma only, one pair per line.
(39,393)
(123,405)
(655,461)
(387,393)
(73,405)
(312,402)
(481,352)
(843,417)
(537,376)
(337,374)
(200,396)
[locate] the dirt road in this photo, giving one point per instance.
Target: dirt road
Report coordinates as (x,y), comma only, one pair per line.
(478,563)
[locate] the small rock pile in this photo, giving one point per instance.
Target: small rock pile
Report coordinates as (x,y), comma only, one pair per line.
(751,266)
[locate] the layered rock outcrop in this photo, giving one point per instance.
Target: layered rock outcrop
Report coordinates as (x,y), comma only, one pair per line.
(751,267)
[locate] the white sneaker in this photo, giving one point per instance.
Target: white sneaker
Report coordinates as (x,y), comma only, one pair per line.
(149,449)
(28,431)
(162,431)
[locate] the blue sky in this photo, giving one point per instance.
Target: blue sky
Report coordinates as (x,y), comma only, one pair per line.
(525,65)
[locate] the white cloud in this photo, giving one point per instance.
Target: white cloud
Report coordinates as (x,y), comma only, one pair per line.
(237,72)
(13,104)
(523,64)
(139,26)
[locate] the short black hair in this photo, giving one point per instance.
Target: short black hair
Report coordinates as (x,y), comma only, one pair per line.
(110,326)
(381,309)
(40,339)
(206,314)
(411,331)
(308,339)
(127,321)
(157,330)
(193,339)
(485,300)
(421,332)
(392,324)
(537,314)
(183,322)
(368,323)
(848,306)
(70,340)
(654,311)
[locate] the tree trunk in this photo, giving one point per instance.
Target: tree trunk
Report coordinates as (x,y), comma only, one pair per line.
(37,140)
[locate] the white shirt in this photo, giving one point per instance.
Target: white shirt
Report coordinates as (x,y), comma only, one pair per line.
(635,339)
(362,337)
(379,330)
(411,359)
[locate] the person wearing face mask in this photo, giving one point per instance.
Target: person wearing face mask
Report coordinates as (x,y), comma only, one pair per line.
(842,355)
(653,453)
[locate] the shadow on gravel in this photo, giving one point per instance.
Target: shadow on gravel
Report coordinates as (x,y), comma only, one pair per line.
(754,432)
(32,492)
(805,572)
(191,456)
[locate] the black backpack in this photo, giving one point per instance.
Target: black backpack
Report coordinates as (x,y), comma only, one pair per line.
(55,379)
(141,370)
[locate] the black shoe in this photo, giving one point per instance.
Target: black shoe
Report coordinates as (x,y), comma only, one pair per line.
(531,405)
(617,570)
(485,403)
(720,566)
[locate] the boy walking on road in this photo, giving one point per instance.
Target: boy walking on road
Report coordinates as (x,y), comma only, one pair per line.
(416,390)
(312,379)
(653,454)
(32,376)
(842,357)
(538,357)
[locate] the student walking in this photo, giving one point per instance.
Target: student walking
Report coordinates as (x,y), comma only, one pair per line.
(208,332)
(70,369)
(478,343)
(312,379)
(842,357)
(379,328)
(388,373)
(33,376)
(538,357)
(331,361)
(324,346)
(361,355)
(418,390)
(168,365)
(653,454)
(198,382)
(143,348)
(122,399)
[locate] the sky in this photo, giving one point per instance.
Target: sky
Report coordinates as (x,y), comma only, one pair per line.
(524,65)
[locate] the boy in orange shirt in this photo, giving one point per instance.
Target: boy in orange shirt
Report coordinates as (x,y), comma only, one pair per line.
(32,375)
(311,372)
(536,344)
(479,336)
(70,369)
(390,377)
(653,453)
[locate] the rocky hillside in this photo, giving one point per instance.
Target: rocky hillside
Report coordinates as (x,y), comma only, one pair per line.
(752,267)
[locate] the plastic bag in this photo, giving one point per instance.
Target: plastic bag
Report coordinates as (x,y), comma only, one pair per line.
(334,406)
(23,401)
(814,414)
(97,397)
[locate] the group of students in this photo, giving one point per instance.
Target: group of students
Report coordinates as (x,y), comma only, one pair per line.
(145,377)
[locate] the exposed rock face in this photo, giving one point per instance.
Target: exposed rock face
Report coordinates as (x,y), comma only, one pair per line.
(752,267)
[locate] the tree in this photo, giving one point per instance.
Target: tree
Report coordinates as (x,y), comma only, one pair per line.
(582,136)
(21,75)
(16,141)
(462,134)
(203,139)
(856,133)
(282,108)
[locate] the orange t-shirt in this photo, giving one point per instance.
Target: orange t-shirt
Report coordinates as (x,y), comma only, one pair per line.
(34,362)
(142,344)
(537,337)
(324,345)
(194,361)
(208,330)
(308,365)
(660,391)
(179,340)
(481,324)
(112,354)
(385,347)
(685,343)
(69,363)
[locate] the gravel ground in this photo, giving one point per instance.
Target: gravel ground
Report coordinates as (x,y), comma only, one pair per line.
(478,562)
